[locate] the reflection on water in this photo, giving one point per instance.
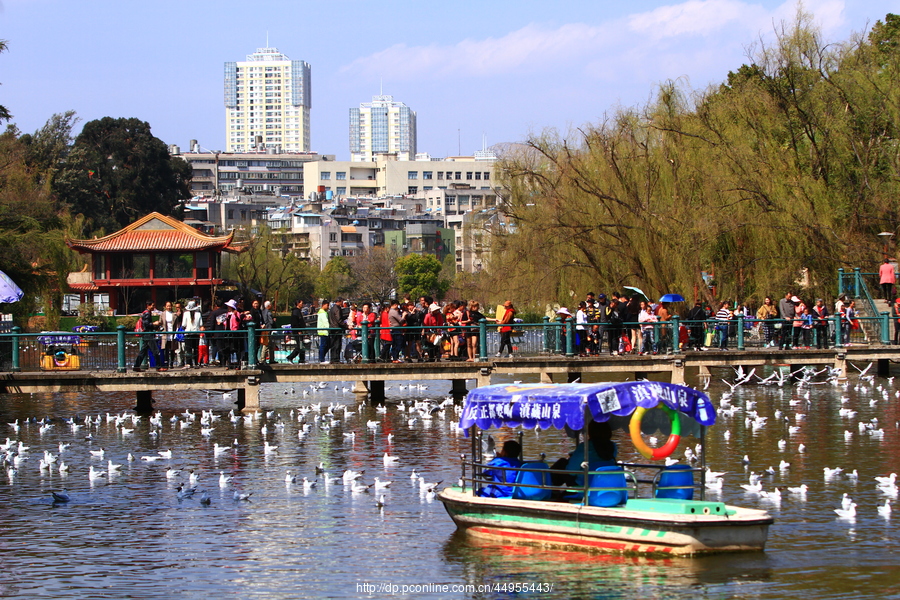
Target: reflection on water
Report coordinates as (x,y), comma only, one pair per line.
(127,533)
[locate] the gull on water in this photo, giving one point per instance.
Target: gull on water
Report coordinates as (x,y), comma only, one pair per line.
(848,513)
(885,511)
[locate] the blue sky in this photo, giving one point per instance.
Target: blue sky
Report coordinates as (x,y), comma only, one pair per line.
(500,69)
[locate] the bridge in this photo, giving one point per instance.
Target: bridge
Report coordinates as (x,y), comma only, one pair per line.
(371,377)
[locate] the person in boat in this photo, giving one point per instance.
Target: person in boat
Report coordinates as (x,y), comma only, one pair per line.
(601,452)
(508,456)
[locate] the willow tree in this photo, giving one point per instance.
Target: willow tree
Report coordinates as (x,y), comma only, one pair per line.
(789,167)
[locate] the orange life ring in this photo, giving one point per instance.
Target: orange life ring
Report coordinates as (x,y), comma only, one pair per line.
(665,450)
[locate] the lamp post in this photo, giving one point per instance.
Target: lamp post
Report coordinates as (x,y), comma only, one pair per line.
(886,238)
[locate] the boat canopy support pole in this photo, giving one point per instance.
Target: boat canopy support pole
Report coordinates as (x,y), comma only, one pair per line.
(457,389)
(884,369)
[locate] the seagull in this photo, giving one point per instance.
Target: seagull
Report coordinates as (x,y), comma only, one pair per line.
(846,501)
(382,484)
(223,479)
(94,474)
(799,490)
(290,478)
(63,468)
(715,483)
(360,488)
(167,454)
(887,481)
(205,500)
(884,511)
(784,465)
(238,497)
(112,467)
(380,503)
(183,494)
(151,458)
(414,475)
(390,460)
(308,485)
(95,453)
(349,475)
(752,488)
(217,449)
(427,487)
(848,513)
(63,497)
(269,449)
(830,473)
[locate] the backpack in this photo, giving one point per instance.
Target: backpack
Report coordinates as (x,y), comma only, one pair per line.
(139,325)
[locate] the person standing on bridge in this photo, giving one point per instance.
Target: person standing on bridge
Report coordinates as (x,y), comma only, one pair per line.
(787,310)
(191,323)
(298,321)
(887,278)
(337,324)
(323,332)
(148,339)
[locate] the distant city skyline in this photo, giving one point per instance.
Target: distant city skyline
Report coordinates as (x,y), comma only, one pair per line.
(498,71)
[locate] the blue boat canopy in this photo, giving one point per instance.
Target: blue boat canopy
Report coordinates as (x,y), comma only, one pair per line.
(538,405)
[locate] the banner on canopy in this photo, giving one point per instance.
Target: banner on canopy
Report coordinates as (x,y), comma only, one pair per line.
(560,405)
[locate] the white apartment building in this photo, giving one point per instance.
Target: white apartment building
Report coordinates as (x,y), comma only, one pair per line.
(267,103)
(382,127)
(386,176)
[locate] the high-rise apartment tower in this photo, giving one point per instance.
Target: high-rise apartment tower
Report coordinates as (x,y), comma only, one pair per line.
(382,127)
(267,102)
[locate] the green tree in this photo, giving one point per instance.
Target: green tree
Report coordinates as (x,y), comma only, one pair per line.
(117,172)
(32,248)
(419,275)
(268,267)
(336,279)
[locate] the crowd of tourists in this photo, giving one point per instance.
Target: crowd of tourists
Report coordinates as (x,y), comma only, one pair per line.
(620,324)
(192,335)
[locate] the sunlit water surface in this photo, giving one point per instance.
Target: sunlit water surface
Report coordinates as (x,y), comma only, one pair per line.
(128,535)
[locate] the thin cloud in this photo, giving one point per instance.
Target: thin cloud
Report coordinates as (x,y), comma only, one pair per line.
(583,48)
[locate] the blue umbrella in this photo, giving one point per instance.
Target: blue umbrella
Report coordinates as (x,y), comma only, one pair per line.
(9,291)
(672,298)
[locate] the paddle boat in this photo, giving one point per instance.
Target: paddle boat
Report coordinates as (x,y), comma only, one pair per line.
(627,510)
(60,351)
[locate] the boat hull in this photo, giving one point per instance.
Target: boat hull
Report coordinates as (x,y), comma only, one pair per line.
(610,530)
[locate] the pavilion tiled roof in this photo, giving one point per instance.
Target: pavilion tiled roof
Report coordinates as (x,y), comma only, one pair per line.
(155,232)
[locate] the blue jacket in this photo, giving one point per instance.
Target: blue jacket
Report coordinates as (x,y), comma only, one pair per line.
(500,476)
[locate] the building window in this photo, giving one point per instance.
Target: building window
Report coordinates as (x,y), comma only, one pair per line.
(332,237)
(487,175)
(340,175)
(99,266)
(426,174)
(325,175)
(413,189)
(172,265)
(458,176)
(341,190)
(412,175)
(469,175)
(478,175)
(440,174)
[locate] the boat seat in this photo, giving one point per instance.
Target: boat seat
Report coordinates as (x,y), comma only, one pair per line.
(675,482)
(608,487)
(535,475)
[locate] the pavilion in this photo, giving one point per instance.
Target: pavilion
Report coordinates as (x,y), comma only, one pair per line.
(155,258)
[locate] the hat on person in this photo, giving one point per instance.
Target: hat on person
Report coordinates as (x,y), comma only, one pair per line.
(564,311)
(795,299)
(231,304)
(433,307)
(602,296)
(191,305)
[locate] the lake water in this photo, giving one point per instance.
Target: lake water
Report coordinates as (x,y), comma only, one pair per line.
(128,535)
